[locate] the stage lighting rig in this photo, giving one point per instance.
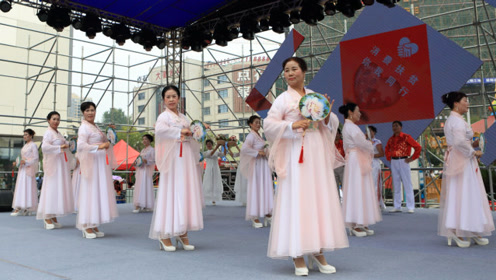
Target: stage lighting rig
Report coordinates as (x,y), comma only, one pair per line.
(368,2)
(221,34)
(249,26)
(91,24)
(348,7)
(330,8)
(58,18)
(279,20)
(294,17)
(311,12)
(120,33)
(42,15)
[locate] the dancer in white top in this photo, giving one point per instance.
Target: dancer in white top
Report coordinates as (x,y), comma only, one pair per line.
(96,193)
(143,197)
(26,195)
(377,166)
(255,166)
(212,180)
(464,208)
(360,207)
(56,199)
(179,202)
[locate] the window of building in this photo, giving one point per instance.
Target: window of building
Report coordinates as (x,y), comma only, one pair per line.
(241,137)
(206,111)
(223,123)
(206,96)
(141,96)
(206,83)
(141,108)
(221,79)
(223,93)
(242,122)
(222,108)
(141,121)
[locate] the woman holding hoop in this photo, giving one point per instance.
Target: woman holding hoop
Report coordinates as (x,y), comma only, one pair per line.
(144,198)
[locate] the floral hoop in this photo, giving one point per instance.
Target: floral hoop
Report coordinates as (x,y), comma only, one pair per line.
(198,130)
(314,106)
(111,135)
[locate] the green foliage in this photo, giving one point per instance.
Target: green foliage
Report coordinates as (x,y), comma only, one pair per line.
(116,116)
(135,137)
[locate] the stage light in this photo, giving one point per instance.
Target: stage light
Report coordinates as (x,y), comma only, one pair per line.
(330,8)
(107,31)
(147,38)
(368,2)
(279,20)
(136,38)
(221,34)
(294,17)
(249,26)
(233,33)
(311,12)
(58,18)
(207,38)
(76,23)
(264,24)
(42,15)
(388,3)
(120,33)
(91,24)
(161,43)
(348,7)
(6,5)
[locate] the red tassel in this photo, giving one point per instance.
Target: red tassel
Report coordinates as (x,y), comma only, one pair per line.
(181,150)
(12,173)
(301,155)
(106,157)
(65,157)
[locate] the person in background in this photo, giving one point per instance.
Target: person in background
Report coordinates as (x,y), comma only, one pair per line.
(143,197)
(398,150)
(212,179)
(464,208)
(377,166)
(25,198)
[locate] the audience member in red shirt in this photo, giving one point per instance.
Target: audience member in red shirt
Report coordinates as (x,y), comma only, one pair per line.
(398,151)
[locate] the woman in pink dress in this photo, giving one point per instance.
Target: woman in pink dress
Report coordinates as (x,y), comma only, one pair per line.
(178,206)
(26,195)
(143,197)
(255,167)
(56,198)
(307,218)
(96,193)
(360,207)
(464,209)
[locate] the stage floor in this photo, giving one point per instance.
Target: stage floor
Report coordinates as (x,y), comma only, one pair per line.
(405,246)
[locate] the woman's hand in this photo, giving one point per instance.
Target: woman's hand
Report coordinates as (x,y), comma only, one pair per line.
(207,126)
(105,145)
(22,162)
(326,120)
(304,124)
(186,132)
(65,146)
(145,161)
(478,154)
(261,153)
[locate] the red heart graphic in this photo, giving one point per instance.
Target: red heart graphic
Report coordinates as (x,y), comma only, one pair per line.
(371,91)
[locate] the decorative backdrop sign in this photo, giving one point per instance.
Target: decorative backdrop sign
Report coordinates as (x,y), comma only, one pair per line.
(388,72)
(423,65)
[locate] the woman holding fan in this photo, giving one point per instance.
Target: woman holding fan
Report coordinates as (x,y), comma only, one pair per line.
(179,202)
(360,207)
(143,198)
(307,217)
(96,194)
(464,209)
(56,198)
(26,195)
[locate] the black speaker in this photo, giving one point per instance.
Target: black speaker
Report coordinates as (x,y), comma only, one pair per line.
(6,197)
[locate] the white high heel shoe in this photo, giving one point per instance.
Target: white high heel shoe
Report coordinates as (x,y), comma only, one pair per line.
(186,247)
(255,224)
(16,213)
(460,243)
(47,225)
(56,224)
(357,233)
(166,248)
(300,271)
(267,221)
(89,235)
(368,231)
(98,232)
(481,241)
(327,268)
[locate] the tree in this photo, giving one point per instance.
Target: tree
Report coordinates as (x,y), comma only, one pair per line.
(116,116)
(135,138)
